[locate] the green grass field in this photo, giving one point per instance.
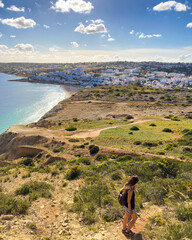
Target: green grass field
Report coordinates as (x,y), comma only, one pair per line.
(122,139)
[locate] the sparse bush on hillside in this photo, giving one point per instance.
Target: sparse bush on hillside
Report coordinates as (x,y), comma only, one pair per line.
(184,212)
(116,175)
(35,190)
(74,140)
(137,143)
(175,119)
(101,157)
(152,125)
(71,128)
(124,158)
(10,205)
(73,172)
(160,153)
(134,128)
(57,150)
(169,146)
(167,130)
(28,162)
(129,117)
(150,144)
(93,149)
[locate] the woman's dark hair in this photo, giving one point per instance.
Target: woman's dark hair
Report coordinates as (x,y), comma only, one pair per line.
(132,181)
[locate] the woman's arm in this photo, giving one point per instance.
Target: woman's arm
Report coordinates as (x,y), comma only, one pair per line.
(130,193)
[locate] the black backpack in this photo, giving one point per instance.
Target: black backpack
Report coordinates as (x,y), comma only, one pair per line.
(122,198)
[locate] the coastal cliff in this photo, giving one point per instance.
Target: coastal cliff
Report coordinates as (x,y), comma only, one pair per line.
(95,139)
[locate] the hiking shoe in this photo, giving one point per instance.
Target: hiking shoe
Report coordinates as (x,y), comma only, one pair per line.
(131,233)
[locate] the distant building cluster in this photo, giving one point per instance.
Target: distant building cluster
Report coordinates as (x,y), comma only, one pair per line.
(87,75)
(77,77)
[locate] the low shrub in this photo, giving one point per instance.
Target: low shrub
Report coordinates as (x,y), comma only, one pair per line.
(71,128)
(10,205)
(78,155)
(184,213)
(74,140)
(157,220)
(150,144)
(28,162)
(167,130)
(93,149)
(124,158)
(64,184)
(35,190)
(116,175)
(112,213)
(178,231)
(137,143)
(160,153)
(73,173)
(80,146)
(175,119)
(101,157)
(129,117)
(152,125)
(134,128)
(84,160)
(169,146)
(57,150)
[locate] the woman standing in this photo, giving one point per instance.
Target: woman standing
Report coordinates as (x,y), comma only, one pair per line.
(129,189)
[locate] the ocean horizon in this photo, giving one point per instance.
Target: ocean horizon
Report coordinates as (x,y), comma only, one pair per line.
(23,102)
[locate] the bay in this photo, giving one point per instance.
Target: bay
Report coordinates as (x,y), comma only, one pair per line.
(23,102)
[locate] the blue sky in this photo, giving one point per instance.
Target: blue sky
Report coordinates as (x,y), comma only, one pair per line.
(95,30)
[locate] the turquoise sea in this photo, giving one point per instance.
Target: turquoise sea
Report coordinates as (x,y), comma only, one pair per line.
(23,102)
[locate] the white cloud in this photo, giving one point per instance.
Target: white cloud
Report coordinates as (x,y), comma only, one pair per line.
(54,49)
(170,5)
(24,47)
(16,9)
(132,32)
(12,36)
(189,25)
(91,28)
(103,35)
(111,39)
(21,22)
(1,35)
(97,21)
(78,6)
(46,26)
(3,47)
(75,44)
(142,35)
(1,4)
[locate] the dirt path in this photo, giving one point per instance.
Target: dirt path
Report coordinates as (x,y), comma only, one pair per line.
(96,132)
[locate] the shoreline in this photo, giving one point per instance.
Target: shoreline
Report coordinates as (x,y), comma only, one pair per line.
(68,88)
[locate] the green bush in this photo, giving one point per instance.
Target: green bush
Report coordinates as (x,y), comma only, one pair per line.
(150,144)
(169,146)
(113,213)
(175,119)
(178,231)
(71,128)
(184,213)
(64,184)
(74,140)
(124,158)
(129,117)
(101,157)
(134,128)
(57,150)
(84,160)
(153,125)
(78,154)
(93,149)
(28,162)
(160,153)
(137,143)
(116,175)
(35,190)
(73,172)
(10,205)
(167,130)
(157,220)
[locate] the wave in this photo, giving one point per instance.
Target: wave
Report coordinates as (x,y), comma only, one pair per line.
(34,112)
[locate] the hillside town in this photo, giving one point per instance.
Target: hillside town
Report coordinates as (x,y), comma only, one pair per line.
(87,75)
